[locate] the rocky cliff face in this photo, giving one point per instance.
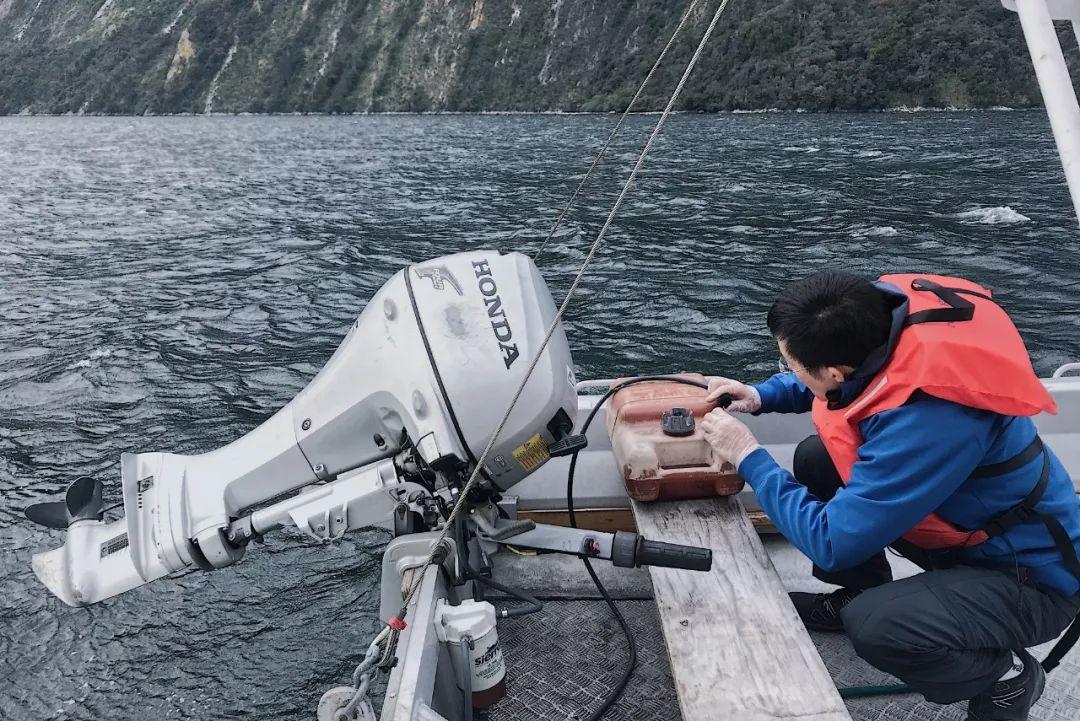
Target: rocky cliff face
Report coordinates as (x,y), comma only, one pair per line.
(171,56)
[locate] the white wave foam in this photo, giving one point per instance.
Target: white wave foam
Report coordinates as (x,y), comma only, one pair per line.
(1000,215)
(877,231)
(88,361)
(924,109)
(870,153)
(802,148)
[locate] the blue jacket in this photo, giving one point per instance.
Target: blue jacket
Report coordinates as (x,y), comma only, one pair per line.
(916,460)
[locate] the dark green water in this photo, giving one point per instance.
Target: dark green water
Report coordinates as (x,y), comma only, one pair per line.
(166,284)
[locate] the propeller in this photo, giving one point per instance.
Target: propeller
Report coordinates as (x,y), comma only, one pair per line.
(81,502)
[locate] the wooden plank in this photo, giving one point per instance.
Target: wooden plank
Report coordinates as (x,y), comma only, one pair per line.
(607,520)
(737,647)
(610,520)
(762,523)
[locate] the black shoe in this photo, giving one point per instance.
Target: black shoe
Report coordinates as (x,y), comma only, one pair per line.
(1010,700)
(821,611)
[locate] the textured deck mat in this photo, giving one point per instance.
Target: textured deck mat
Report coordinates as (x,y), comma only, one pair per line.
(565,658)
(562,661)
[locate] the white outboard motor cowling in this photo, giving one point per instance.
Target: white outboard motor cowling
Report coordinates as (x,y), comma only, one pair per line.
(484,316)
(437,354)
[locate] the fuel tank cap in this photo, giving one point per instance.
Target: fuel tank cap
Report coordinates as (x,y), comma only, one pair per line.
(677,422)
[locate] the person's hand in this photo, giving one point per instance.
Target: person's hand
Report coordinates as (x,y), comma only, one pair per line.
(744,398)
(729,437)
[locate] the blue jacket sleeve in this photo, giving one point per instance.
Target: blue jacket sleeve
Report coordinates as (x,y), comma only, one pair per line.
(783,393)
(911,460)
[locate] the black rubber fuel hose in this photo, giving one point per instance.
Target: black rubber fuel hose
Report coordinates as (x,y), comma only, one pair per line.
(631,643)
(532,604)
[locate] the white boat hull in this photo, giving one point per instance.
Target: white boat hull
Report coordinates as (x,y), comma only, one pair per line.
(598,481)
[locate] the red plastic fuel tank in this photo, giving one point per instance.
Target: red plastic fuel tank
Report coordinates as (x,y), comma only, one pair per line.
(657,465)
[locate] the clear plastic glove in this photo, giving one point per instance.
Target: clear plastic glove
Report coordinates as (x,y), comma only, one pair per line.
(729,437)
(744,398)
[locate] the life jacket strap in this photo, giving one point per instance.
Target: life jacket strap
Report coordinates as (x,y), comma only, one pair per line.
(1062,647)
(1068,552)
(1023,511)
(1026,511)
(959,310)
(1021,459)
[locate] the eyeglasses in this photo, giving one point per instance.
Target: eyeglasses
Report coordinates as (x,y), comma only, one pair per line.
(785,367)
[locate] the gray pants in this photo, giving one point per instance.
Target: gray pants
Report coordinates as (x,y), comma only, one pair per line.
(949,632)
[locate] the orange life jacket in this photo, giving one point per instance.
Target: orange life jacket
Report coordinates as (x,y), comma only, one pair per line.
(957,344)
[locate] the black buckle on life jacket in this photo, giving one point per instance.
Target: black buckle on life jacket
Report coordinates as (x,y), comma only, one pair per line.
(959,310)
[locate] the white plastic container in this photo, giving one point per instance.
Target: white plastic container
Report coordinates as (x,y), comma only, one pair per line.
(472,623)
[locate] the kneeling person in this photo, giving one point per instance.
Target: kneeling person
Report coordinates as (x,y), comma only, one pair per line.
(921,391)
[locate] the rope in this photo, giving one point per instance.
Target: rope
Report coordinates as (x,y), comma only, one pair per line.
(475,476)
(615,131)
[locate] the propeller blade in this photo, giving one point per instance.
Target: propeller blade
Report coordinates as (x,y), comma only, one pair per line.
(83,499)
(50,515)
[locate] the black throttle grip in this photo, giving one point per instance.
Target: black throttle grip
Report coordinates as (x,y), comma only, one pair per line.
(672,555)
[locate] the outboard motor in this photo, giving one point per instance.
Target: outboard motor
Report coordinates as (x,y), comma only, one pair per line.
(397,415)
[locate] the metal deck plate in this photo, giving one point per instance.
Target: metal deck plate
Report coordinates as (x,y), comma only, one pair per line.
(565,658)
(562,661)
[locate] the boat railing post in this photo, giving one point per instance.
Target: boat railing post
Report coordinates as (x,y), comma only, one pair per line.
(1054,83)
(1066,369)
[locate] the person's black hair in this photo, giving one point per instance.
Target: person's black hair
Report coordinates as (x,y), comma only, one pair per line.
(830,318)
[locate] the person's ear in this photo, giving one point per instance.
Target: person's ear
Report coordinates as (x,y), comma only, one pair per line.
(835,373)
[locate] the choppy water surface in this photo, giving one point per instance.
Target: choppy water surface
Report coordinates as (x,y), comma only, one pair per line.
(166,284)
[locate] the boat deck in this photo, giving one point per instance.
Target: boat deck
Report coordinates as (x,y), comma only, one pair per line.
(560,662)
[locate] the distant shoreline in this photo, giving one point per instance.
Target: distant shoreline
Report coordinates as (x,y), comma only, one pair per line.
(763,111)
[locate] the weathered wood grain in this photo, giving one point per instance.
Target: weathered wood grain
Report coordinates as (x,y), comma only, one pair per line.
(608,520)
(738,650)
